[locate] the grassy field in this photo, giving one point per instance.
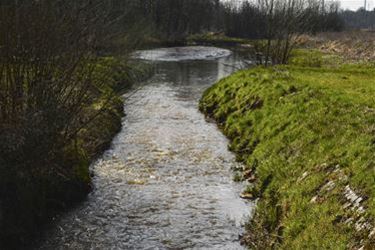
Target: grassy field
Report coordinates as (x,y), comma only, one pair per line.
(306,133)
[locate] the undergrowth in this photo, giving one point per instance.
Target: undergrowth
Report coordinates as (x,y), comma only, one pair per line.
(30,196)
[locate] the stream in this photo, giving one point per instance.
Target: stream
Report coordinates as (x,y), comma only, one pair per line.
(166,182)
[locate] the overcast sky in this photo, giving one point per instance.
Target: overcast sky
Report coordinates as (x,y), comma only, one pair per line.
(347,4)
(355,4)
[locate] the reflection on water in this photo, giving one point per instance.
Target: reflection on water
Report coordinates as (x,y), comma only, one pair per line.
(166,181)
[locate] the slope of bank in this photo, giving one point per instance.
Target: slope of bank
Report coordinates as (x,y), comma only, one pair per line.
(307,137)
(30,199)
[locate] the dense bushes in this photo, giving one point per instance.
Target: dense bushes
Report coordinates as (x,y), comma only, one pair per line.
(59,107)
(37,185)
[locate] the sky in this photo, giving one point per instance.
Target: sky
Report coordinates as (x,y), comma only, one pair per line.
(350,4)
(355,4)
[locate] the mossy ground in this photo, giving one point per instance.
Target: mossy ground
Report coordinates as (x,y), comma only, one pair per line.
(296,128)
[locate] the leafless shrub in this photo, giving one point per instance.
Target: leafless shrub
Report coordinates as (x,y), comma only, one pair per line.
(286,21)
(47,60)
(51,92)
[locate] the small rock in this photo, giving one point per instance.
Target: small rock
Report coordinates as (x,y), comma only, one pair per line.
(343,177)
(349,221)
(361,210)
(247,196)
(358,200)
(358,227)
(329,186)
(252,178)
(304,175)
(346,205)
(314,199)
(337,169)
(247,174)
(372,234)
(362,219)
(368,225)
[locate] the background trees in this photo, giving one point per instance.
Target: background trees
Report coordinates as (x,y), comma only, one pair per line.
(279,23)
(175,19)
(360,19)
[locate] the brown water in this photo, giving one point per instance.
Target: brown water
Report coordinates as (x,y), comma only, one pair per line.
(166,182)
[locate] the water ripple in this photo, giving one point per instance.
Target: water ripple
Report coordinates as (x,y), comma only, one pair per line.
(166,181)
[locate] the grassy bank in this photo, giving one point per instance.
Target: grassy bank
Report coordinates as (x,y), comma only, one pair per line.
(306,135)
(30,198)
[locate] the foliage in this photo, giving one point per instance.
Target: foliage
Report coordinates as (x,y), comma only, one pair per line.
(59,107)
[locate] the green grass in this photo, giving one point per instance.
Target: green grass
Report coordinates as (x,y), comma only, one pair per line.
(314,58)
(308,117)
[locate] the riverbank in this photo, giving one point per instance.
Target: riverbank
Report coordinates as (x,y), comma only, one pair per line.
(32,199)
(305,133)
(218,39)
(203,39)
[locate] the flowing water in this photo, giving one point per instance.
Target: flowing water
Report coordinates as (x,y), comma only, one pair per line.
(166,182)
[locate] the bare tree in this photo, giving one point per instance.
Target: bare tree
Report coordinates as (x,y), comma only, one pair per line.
(286,20)
(47,58)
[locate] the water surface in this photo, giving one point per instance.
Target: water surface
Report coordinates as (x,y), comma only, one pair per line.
(166,182)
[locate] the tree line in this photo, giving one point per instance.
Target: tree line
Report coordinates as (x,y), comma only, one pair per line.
(176,19)
(360,19)
(249,19)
